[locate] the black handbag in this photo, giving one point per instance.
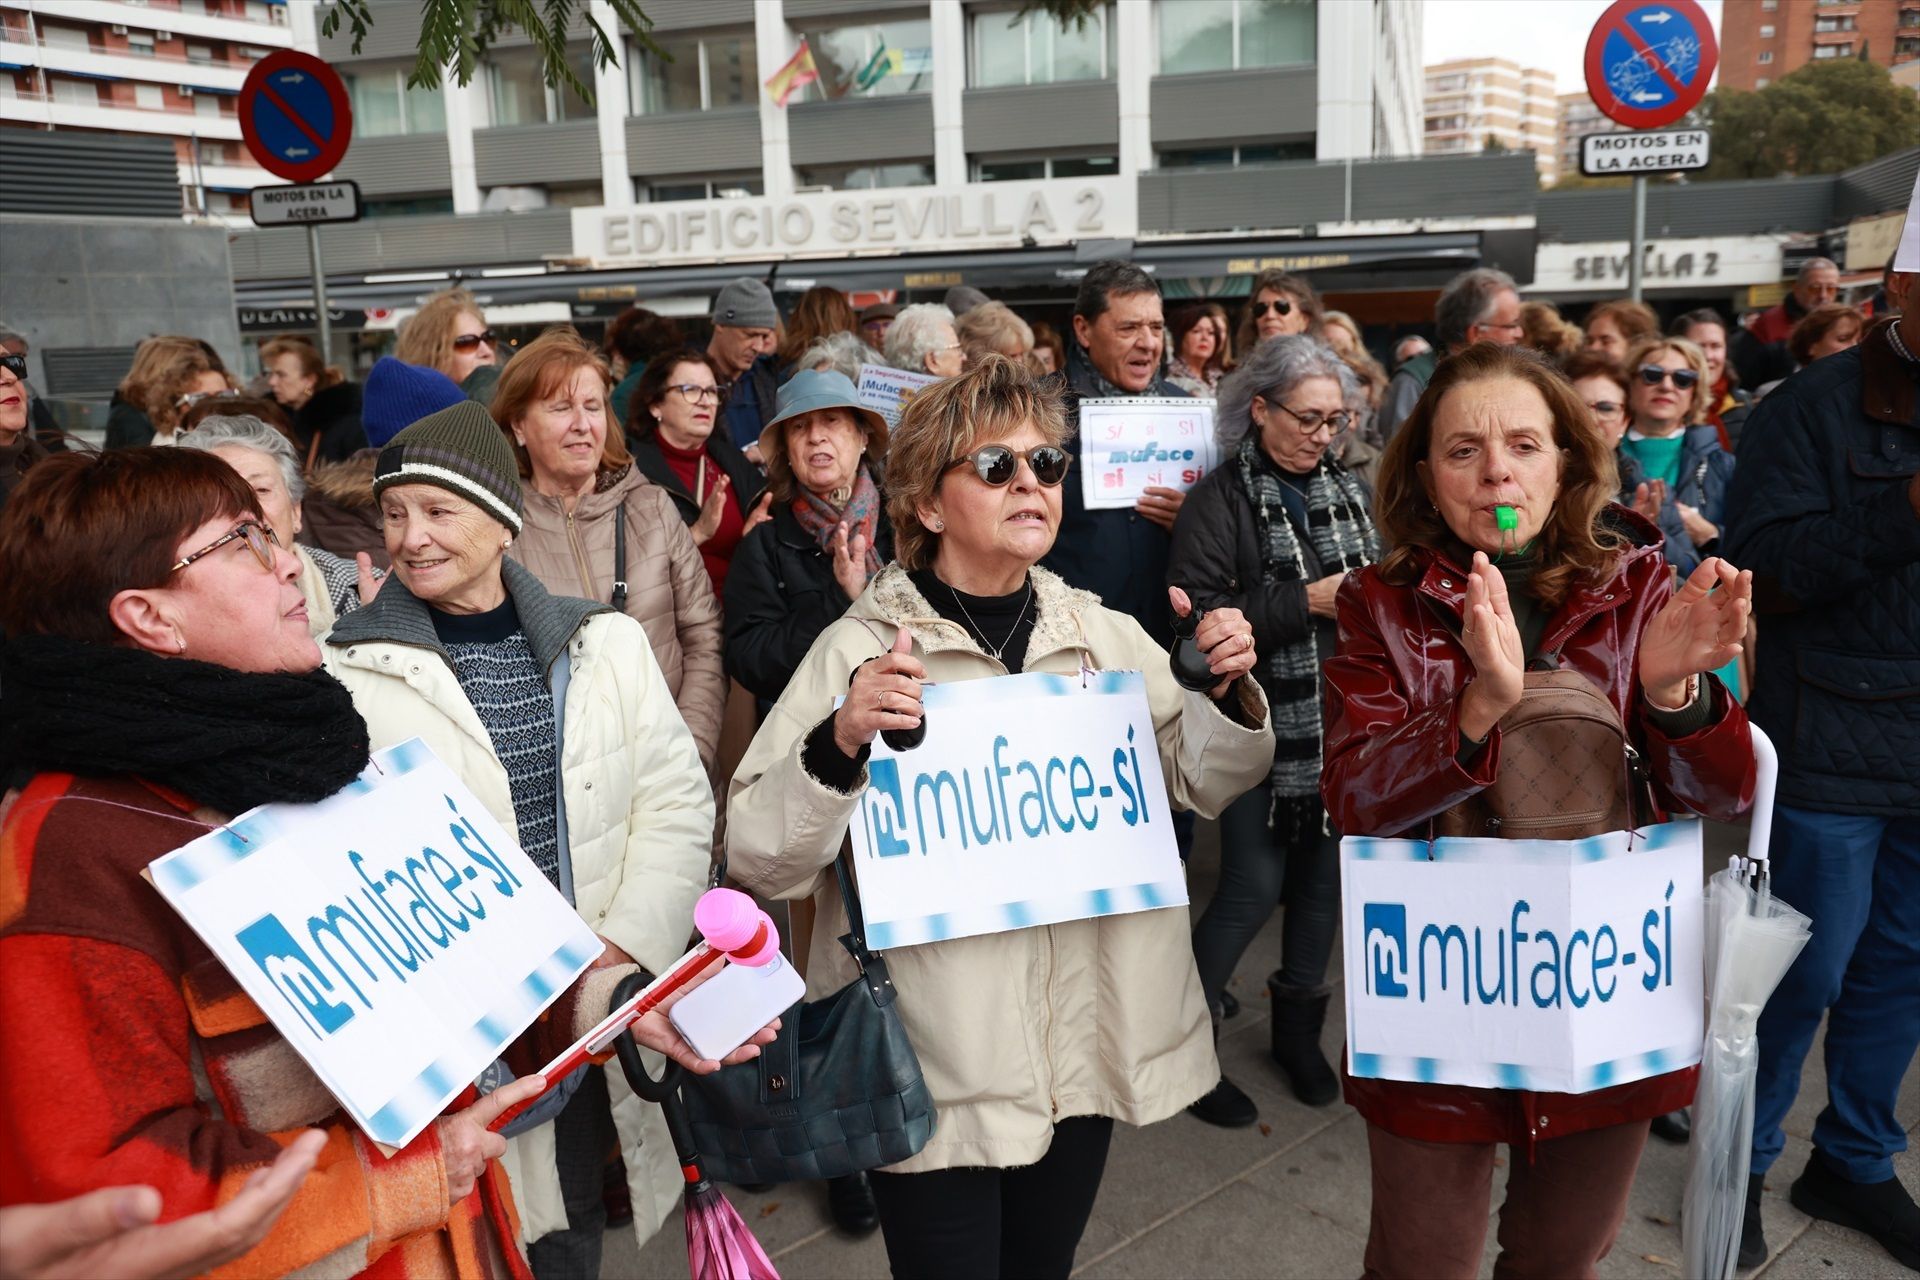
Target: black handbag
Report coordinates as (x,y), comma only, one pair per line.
(839,1091)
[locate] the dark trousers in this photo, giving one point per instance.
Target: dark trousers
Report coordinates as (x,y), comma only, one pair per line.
(1261,867)
(996,1224)
(584,1137)
(1858,877)
(1562,1212)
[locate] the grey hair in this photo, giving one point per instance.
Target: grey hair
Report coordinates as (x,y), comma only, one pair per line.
(1467,300)
(840,352)
(1272,371)
(915,335)
(249,432)
(1812,265)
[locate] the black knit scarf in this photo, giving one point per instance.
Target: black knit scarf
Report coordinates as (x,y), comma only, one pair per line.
(223,738)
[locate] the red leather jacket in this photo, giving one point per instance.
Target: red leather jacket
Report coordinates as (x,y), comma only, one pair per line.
(1392,715)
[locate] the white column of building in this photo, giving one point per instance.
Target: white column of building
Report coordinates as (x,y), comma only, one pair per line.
(303,20)
(463,106)
(773,44)
(1133,81)
(610,103)
(949,25)
(1344,57)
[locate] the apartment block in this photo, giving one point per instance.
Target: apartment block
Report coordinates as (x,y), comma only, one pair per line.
(1480,104)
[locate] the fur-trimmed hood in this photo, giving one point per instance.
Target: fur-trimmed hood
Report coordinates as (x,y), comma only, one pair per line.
(347,483)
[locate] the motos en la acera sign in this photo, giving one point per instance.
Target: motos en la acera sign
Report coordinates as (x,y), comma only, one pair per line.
(977,215)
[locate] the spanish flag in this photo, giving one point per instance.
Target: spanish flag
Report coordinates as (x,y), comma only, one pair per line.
(795,76)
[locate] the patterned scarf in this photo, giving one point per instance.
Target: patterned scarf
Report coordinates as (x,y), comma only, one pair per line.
(823,520)
(1344,539)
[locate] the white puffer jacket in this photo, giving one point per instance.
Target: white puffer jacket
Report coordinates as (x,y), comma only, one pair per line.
(638,807)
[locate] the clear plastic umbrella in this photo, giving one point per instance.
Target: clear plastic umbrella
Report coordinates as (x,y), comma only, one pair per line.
(1752,939)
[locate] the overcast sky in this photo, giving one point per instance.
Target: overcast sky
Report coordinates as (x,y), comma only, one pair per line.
(1535,33)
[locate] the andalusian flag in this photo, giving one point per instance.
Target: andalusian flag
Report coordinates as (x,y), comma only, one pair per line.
(795,76)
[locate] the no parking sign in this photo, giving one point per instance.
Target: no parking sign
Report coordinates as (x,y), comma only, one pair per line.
(294,115)
(1649,61)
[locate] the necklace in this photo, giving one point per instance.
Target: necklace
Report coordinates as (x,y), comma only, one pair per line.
(978,630)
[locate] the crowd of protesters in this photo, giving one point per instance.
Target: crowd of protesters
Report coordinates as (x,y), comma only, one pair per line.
(653,600)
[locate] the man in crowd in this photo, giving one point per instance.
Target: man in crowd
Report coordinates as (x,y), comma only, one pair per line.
(1119,335)
(1825,510)
(1759,352)
(1482,305)
(746,329)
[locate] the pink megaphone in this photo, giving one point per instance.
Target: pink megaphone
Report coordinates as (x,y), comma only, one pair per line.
(733,923)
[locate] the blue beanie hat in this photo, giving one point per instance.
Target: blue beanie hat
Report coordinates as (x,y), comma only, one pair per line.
(397,395)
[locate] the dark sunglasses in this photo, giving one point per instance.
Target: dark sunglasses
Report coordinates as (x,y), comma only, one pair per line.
(997,464)
(468,341)
(260,540)
(1281,308)
(16,365)
(1653,375)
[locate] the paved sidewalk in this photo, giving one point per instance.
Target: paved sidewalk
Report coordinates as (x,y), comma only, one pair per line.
(1290,1197)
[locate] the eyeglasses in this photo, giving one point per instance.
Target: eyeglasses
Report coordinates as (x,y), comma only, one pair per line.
(694,393)
(192,398)
(1283,307)
(1653,375)
(16,365)
(1606,408)
(260,541)
(468,341)
(1310,422)
(997,465)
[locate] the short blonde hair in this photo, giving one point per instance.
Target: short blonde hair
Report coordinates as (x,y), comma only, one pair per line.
(991,326)
(541,368)
(426,339)
(992,400)
(1640,352)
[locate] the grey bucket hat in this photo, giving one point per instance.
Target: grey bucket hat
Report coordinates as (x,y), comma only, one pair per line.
(812,389)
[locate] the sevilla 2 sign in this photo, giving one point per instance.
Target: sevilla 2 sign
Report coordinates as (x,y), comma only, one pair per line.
(1648,61)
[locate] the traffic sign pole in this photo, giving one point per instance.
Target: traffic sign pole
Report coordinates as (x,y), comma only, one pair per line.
(320,292)
(1636,250)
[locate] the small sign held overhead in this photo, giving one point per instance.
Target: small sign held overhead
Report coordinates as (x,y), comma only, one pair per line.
(315,202)
(1604,155)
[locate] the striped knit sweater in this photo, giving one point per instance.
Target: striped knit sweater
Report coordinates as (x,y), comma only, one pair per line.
(129,1055)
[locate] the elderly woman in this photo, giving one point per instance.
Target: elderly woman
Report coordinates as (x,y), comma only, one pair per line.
(1007,1182)
(1432,695)
(128,422)
(1615,325)
(325,407)
(159,677)
(1272,533)
(18,449)
(923,339)
(598,529)
(1602,387)
(1198,337)
(448,333)
(182,373)
(992,327)
(843,353)
(554,712)
(828,535)
(1672,467)
(1279,303)
(265,459)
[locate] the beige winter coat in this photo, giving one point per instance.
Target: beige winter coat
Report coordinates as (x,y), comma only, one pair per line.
(1013,1030)
(638,806)
(668,591)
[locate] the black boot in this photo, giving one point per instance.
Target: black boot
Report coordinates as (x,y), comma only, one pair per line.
(1675,1126)
(1225,1105)
(850,1201)
(1297,1021)
(1753,1242)
(1883,1209)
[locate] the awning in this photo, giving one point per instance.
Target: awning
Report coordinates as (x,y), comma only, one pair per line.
(1226,268)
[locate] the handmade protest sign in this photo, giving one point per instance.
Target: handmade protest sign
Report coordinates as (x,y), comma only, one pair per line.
(394,933)
(1555,965)
(1129,443)
(1033,799)
(887,391)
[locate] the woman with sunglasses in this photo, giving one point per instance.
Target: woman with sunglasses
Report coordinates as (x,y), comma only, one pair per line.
(720,495)
(18,449)
(1280,304)
(1272,533)
(450,334)
(1033,1041)
(1672,467)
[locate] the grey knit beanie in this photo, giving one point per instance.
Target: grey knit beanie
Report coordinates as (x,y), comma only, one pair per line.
(746,303)
(462,450)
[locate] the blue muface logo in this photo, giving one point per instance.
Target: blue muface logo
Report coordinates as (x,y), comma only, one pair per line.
(1384,928)
(294,975)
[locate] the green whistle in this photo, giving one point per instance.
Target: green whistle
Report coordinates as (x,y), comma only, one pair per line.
(1507,518)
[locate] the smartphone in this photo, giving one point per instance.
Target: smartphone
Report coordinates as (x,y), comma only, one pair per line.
(722,1013)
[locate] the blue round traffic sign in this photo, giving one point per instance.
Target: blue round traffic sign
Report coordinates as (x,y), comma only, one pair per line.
(294,115)
(1649,61)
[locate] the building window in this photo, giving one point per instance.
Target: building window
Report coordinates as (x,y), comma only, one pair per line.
(1761,82)
(1822,26)
(871,62)
(869,177)
(140,44)
(1231,35)
(147,97)
(206,104)
(1011,49)
(705,72)
(1766,33)
(1766,56)
(518,93)
(1834,50)
(405,208)
(1026,170)
(199,53)
(74,38)
(1238,157)
(384,105)
(76,93)
(737,187)
(1769,5)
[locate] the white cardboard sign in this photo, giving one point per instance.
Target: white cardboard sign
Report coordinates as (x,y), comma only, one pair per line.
(1129,443)
(1561,966)
(1033,799)
(394,933)
(886,391)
